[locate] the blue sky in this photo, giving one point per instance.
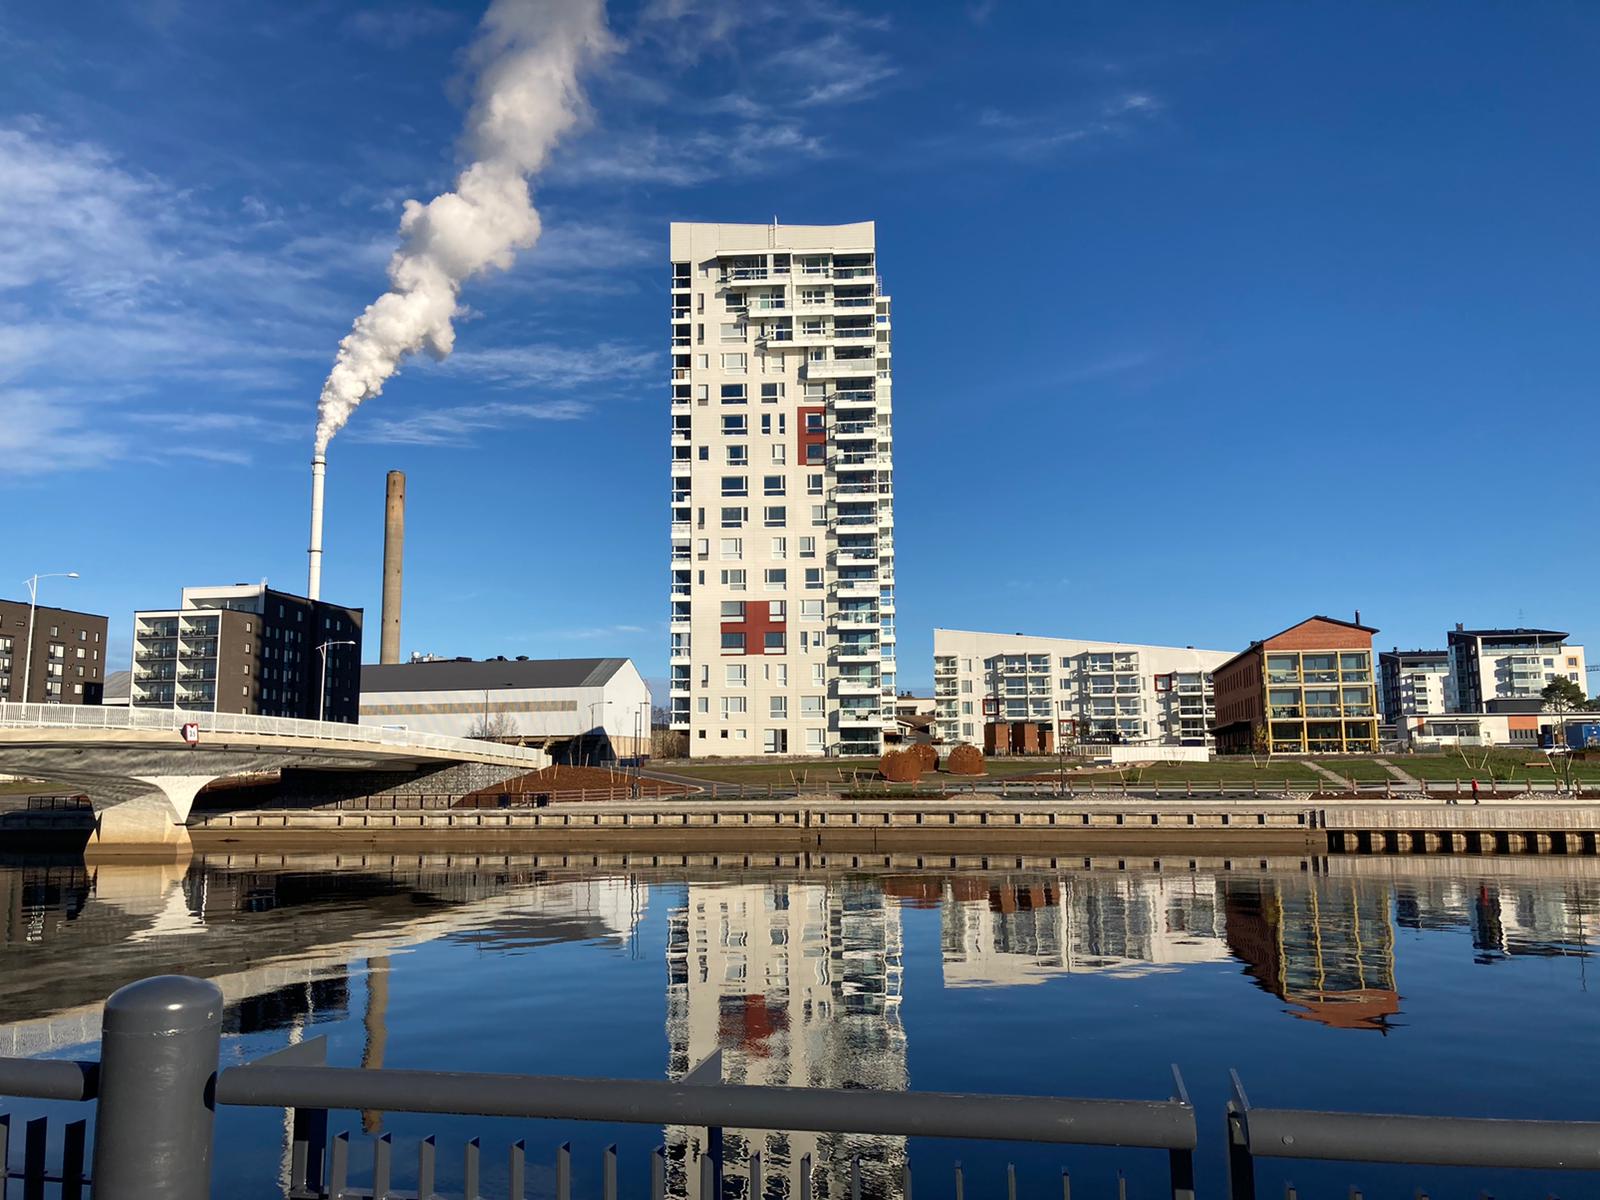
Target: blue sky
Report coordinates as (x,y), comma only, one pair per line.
(1207,317)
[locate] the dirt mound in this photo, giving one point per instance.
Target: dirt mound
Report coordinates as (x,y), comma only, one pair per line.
(899,766)
(964,760)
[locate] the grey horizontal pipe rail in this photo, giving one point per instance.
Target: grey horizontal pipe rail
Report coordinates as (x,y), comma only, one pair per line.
(49,1079)
(1429,1141)
(1157,1125)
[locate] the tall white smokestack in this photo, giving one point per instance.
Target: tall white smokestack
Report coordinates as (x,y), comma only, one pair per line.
(528,55)
(319,469)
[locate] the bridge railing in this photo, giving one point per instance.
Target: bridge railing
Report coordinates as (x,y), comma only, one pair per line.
(115,717)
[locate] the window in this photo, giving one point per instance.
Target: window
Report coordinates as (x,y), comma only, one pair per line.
(814,485)
(778,708)
(735,675)
(738,455)
(734,706)
(773,642)
(966,687)
(702,547)
(735,425)
(808,547)
(774,516)
(780,548)
(810,706)
(732,518)
(736,364)
(703,361)
(732,549)
(777,610)
(818,678)
(814,739)
(733,580)
(733,610)
(733,643)
(811,610)
(702,704)
(819,514)
(777,578)
(814,578)
(733,393)
(780,452)
(732,331)
(771,393)
(702,392)
(816,452)
(735,485)
(772,485)
(966,707)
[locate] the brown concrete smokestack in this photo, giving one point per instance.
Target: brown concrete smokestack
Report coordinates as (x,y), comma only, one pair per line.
(394,538)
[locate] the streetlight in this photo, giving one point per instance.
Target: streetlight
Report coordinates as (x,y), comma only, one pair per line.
(33,609)
(322,695)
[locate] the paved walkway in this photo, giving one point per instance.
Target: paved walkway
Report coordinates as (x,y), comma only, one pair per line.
(1408,780)
(1325,773)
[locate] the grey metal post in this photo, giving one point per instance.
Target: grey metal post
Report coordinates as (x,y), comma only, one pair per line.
(159,1044)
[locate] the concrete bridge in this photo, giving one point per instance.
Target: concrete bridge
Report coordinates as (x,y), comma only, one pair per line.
(141,775)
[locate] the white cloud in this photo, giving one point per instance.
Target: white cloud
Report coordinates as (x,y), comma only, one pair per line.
(457,425)
(833,70)
(553,366)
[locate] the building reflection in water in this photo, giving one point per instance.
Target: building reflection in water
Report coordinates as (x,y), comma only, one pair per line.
(1325,947)
(1001,934)
(1507,917)
(798,984)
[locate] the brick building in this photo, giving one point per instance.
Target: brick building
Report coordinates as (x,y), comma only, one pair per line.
(1306,690)
(69,655)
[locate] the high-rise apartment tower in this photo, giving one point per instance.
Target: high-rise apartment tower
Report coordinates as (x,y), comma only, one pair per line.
(782,491)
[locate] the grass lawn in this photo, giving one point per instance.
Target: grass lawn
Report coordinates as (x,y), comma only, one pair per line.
(790,772)
(1362,770)
(1515,766)
(1226,770)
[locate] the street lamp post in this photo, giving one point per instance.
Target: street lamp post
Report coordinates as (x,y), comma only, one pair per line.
(322,694)
(33,613)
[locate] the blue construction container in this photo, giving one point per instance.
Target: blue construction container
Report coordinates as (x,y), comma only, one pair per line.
(1583,735)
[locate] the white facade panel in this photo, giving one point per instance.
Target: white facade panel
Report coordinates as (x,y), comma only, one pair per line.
(782,515)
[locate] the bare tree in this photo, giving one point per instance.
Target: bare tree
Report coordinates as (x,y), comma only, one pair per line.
(497,727)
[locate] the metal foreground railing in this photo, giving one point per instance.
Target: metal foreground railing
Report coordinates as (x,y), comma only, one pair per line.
(158,1083)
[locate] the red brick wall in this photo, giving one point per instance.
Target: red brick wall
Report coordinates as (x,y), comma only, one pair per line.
(1317,634)
(1238,690)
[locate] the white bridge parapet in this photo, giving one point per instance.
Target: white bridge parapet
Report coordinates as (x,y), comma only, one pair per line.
(261,730)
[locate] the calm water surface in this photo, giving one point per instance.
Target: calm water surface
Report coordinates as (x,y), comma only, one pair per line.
(1447,986)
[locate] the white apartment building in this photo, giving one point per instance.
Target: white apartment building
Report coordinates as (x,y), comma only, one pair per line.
(1071,690)
(782,607)
(1505,670)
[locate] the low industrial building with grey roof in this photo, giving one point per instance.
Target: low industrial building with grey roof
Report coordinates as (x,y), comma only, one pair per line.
(578,709)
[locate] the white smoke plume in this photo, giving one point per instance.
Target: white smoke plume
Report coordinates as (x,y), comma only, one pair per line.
(528,55)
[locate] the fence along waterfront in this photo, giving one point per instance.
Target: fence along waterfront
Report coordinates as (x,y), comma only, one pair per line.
(159,1079)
